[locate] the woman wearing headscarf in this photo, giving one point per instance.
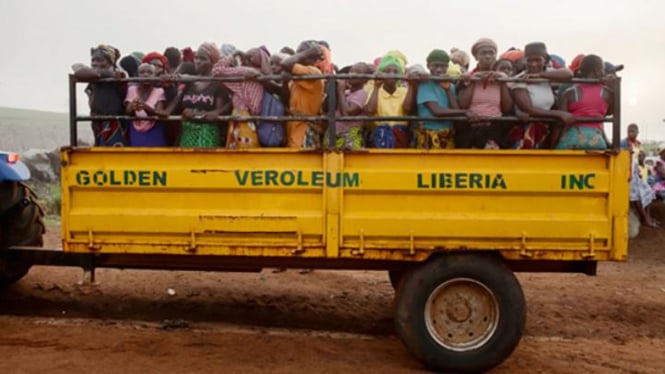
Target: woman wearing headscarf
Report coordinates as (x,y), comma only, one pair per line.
(586,100)
(143,100)
(517,57)
(105,98)
(389,99)
(575,68)
(246,95)
(537,99)
(171,94)
(438,99)
(460,58)
(486,98)
(203,103)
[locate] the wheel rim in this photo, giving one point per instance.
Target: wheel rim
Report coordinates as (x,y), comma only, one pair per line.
(462,314)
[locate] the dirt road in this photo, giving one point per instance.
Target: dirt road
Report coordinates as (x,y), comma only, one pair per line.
(322,322)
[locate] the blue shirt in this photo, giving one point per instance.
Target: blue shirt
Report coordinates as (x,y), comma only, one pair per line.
(432,91)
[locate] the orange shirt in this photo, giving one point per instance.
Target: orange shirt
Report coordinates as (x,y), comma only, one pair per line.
(306,96)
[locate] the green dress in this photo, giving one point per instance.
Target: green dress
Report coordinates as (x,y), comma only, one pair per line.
(201,99)
(199,135)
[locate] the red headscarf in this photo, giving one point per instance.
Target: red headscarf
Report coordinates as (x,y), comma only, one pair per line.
(513,55)
(188,55)
(156,56)
(576,63)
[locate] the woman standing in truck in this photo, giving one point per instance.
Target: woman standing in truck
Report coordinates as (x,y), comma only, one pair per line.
(537,99)
(486,97)
(438,99)
(306,97)
(105,98)
(143,100)
(246,95)
(586,100)
(203,103)
(351,99)
(390,99)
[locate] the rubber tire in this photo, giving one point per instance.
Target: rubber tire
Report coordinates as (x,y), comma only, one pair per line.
(23,227)
(395,277)
(421,281)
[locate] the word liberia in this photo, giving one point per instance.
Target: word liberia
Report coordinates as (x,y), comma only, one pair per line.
(260,178)
(471,181)
(143,178)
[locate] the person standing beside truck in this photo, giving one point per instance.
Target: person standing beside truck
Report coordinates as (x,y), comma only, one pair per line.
(105,98)
(641,194)
(203,103)
(437,99)
(658,173)
(306,97)
(631,142)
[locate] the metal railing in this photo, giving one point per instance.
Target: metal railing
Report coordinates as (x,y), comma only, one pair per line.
(331,92)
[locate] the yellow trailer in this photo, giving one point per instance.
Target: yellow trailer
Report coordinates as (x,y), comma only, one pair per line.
(449,226)
(393,206)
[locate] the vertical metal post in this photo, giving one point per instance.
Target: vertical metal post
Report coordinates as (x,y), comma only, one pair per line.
(73,135)
(331,88)
(616,116)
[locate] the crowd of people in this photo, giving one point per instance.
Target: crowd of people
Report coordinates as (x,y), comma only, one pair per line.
(465,105)
(647,182)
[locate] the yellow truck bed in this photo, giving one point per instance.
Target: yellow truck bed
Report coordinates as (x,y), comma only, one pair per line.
(394,205)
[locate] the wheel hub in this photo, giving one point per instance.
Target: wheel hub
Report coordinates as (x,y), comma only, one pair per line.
(462,314)
(458,310)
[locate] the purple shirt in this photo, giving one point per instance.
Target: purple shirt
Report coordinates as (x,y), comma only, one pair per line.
(358,97)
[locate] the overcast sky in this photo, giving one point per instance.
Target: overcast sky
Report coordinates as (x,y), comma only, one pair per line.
(41,39)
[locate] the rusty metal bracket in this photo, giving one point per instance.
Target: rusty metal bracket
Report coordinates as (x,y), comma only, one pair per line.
(523,247)
(300,247)
(412,244)
(91,241)
(592,252)
(192,242)
(361,250)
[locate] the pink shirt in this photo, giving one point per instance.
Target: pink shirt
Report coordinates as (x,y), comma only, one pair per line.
(247,95)
(486,101)
(588,101)
(156,95)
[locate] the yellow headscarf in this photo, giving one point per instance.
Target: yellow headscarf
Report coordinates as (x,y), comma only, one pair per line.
(454,70)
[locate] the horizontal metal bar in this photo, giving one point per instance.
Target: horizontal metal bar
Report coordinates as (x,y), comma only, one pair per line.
(56,257)
(339,118)
(241,78)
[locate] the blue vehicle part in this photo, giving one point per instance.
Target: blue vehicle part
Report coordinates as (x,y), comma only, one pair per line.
(12,169)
